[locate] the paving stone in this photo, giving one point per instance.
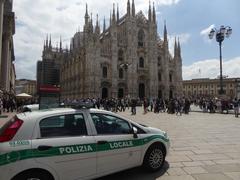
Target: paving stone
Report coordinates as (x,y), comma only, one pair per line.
(211,177)
(233,175)
(184,177)
(177,158)
(204,151)
(207,157)
(194,170)
(227,161)
(175,165)
(223,168)
(208,162)
(176,172)
(193,163)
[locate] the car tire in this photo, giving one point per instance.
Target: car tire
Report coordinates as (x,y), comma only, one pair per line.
(33,175)
(154,158)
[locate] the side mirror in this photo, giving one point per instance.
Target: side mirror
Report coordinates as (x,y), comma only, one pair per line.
(135,132)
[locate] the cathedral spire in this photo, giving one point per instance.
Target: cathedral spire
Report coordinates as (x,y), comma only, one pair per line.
(50,41)
(133,8)
(97,28)
(86,15)
(110,20)
(91,23)
(149,12)
(60,44)
(179,48)
(154,14)
(165,31)
(117,12)
(128,8)
(175,48)
(47,41)
(113,15)
(104,24)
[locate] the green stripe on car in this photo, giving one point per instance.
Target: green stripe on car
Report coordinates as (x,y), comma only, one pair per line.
(74,149)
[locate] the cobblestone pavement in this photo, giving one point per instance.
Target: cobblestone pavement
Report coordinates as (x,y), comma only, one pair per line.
(203,147)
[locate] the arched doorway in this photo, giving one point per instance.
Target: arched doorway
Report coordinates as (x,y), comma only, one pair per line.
(120,93)
(104,93)
(170,94)
(159,93)
(141,91)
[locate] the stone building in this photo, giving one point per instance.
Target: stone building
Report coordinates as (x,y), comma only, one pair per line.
(7,30)
(206,87)
(128,58)
(26,86)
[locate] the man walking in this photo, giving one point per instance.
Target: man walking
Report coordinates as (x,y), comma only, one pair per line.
(236,107)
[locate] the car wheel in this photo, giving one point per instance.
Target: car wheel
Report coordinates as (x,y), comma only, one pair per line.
(154,158)
(29,175)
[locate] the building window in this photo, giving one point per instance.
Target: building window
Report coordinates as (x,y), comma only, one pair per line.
(120,55)
(121,73)
(141,62)
(104,72)
(141,37)
(159,76)
(170,77)
(159,60)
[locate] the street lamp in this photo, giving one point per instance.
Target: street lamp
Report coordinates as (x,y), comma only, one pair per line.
(220,34)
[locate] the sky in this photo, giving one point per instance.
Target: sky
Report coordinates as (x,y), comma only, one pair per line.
(187,19)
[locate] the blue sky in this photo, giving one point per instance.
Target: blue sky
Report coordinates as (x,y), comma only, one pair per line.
(185,19)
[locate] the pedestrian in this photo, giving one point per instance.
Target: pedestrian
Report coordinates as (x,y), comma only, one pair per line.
(236,107)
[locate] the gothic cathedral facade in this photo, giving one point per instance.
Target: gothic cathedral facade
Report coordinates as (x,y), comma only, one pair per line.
(126,59)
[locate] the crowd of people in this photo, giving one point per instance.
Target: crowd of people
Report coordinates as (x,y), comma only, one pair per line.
(9,102)
(213,105)
(176,106)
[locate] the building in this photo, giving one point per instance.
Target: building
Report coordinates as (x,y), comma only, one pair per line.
(7,30)
(210,87)
(26,86)
(128,58)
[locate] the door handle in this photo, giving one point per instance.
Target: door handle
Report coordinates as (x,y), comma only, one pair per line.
(102,142)
(44,148)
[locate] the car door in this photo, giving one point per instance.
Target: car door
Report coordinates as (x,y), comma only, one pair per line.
(64,145)
(116,147)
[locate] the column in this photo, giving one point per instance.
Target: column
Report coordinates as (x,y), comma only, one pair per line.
(1,30)
(5,64)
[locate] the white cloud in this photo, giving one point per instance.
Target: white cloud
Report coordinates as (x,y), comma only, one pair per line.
(36,19)
(183,38)
(166,2)
(204,33)
(210,69)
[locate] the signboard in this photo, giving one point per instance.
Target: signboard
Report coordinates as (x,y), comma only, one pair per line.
(49,97)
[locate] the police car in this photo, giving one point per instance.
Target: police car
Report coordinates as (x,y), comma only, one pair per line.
(69,144)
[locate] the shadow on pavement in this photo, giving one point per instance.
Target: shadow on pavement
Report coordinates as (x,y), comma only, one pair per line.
(137,174)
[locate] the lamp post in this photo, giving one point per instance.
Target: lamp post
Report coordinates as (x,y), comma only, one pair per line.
(220,35)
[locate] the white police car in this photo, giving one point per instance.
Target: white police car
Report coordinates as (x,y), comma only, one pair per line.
(67,144)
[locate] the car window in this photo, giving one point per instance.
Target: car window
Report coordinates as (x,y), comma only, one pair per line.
(62,126)
(107,124)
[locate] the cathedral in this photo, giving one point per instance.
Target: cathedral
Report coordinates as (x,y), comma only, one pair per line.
(126,59)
